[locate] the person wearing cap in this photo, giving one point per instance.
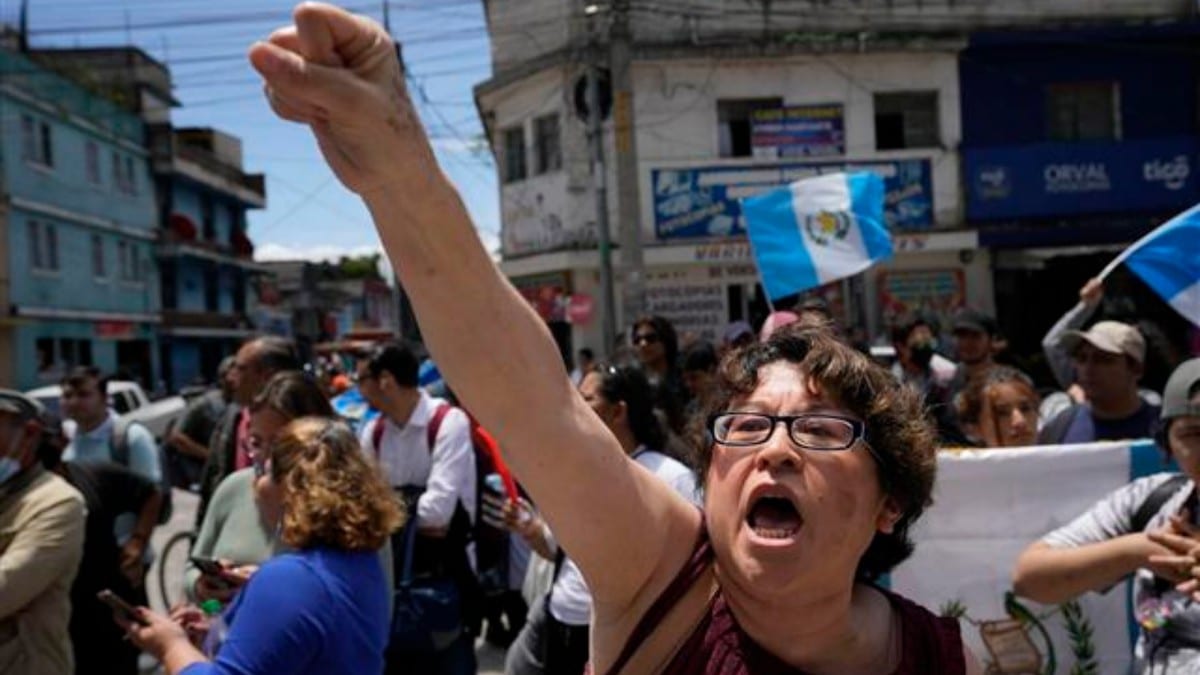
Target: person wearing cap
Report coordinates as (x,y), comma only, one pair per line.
(1146,529)
(1108,360)
(41,543)
(974,337)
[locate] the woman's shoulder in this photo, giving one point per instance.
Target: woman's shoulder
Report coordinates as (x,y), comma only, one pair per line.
(235,486)
(926,638)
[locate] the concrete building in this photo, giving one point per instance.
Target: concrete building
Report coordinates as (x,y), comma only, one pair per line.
(730,99)
(200,192)
(1104,150)
(205,254)
(326,302)
(78,283)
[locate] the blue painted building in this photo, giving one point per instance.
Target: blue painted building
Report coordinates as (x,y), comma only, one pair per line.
(197,195)
(1076,142)
(205,256)
(78,226)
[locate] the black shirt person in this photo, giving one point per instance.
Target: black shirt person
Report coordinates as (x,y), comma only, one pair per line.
(109,490)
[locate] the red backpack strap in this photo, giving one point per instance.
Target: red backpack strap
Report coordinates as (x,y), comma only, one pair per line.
(435,424)
(377,430)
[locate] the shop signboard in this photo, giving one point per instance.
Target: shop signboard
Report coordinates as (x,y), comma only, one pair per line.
(114,330)
(695,302)
(935,294)
(798,131)
(701,202)
(1065,179)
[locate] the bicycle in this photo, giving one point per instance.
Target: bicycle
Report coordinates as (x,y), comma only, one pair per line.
(171,560)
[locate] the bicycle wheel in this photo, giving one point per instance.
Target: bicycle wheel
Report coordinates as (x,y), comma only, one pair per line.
(170,563)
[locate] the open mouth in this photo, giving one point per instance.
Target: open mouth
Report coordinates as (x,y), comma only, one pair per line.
(774,517)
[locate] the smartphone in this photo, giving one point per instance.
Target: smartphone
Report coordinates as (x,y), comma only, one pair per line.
(209,566)
(123,609)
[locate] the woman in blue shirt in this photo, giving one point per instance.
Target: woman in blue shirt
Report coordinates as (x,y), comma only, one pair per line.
(323,609)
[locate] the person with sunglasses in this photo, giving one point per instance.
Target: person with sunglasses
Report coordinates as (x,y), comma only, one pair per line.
(657,347)
(815,464)
(234,530)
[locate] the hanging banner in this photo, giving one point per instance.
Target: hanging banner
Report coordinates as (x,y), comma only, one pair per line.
(798,131)
(988,506)
(699,202)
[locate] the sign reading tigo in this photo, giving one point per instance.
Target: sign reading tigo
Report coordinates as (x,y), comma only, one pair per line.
(1060,179)
(699,202)
(798,131)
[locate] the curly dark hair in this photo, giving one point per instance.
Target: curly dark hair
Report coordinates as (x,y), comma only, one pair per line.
(899,433)
(332,495)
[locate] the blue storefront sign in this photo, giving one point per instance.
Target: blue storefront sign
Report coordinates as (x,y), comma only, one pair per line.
(798,131)
(699,202)
(1064,179)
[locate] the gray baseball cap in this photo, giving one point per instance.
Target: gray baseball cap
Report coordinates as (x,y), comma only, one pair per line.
(16,403)
(1113,337)
(1177,394)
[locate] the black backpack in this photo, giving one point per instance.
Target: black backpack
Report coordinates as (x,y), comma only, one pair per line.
(120,455)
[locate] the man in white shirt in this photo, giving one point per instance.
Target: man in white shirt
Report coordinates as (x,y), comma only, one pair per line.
(423,447)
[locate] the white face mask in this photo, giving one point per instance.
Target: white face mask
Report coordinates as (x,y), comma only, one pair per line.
(9,466)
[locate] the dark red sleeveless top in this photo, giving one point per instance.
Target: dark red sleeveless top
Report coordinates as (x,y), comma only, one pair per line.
(719,646)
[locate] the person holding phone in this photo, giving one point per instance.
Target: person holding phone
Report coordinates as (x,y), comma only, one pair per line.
(109,490)
(321,609)
(234,533)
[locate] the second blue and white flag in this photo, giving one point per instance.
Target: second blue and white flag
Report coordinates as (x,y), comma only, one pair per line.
(817,230)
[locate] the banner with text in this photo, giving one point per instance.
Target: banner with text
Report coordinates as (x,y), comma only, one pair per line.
(697,202)
(988,506)
(798,131)
(1063,179)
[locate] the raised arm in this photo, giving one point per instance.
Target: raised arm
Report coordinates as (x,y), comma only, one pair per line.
(339,74)
(1060,361)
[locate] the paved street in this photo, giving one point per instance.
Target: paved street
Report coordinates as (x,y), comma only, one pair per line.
(491,660)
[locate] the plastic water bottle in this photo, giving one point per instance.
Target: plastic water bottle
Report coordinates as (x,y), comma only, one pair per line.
(217,628)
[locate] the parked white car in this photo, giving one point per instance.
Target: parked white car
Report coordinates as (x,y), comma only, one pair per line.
(130,401)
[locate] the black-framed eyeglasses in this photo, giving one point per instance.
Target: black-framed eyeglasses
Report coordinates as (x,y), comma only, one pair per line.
(647,338)
(814,431)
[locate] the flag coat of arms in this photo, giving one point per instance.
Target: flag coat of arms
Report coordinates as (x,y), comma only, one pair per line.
(817,230)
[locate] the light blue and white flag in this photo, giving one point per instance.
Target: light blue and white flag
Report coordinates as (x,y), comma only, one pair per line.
(817,230)
(1168,260)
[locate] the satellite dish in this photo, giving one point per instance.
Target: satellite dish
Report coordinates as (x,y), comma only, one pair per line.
(605,95)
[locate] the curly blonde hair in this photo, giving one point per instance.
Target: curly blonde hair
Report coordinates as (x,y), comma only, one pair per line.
(332,496)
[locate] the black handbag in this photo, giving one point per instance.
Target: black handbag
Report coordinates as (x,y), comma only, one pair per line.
(427,614)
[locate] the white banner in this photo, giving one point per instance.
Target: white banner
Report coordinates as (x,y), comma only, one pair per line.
(991,504)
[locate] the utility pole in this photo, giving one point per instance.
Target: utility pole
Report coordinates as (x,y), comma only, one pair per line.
(407,327)
(629,217)
(608,317)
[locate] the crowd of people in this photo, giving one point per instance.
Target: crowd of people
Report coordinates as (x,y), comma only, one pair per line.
(641,514)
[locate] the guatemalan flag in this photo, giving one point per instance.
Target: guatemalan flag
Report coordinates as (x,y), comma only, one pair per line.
(817,230)
(1168,260)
